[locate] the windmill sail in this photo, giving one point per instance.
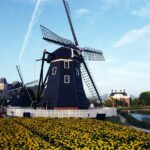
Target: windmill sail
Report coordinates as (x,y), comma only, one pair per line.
(67,9)
(21,78)
(89,82)
(33,83)
(54,38)
(92,54)
(20,74)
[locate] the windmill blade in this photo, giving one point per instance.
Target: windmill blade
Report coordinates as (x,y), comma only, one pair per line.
(33,83)
(54,38)
(89,81)
(21,78)
(67,9)
(20,74)
(66,5)
(92,54)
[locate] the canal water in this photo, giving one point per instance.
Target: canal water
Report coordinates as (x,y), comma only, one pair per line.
(141,117)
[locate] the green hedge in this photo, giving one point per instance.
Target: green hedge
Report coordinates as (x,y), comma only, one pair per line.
(133,107)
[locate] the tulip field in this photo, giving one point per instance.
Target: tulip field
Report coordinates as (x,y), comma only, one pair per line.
(69,134)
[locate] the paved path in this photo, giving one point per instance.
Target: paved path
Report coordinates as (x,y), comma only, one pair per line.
(141,129)
(124,120)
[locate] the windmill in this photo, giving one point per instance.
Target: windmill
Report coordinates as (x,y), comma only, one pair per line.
(62,85)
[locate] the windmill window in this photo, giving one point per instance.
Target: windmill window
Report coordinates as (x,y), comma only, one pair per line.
(54,70)
(66,79)
(66,65)
(77,72)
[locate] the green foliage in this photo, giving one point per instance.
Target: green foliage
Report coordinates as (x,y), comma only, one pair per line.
(114,102)
(121,103)
(108,103)
(136,107)
(135,102)
(144,98)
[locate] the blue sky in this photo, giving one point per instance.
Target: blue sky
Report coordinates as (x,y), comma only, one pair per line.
(120,28)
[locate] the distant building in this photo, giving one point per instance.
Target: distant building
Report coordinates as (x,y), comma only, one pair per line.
(3,85)
(14,94)
(121,96)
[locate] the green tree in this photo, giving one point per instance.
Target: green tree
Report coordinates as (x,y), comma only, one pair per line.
(135,102)
(108,103)
(144,98)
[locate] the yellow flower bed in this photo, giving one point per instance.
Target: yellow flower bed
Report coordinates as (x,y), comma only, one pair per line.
(68,134)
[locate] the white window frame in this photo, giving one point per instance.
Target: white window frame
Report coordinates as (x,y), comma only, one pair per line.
(66,64)
(67,79)
(77,72)
(54,70)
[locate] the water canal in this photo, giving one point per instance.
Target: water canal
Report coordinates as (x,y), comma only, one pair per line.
(141,117)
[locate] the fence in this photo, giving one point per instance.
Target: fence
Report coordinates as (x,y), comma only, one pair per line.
(88,113)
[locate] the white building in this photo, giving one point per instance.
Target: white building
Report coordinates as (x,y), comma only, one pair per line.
(121,96)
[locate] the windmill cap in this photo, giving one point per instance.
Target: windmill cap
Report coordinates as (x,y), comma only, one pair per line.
(63,53)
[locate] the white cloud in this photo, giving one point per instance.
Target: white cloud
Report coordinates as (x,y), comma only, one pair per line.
(30,28)
(148,42)
(132,76)
(41,1)
(132,36)
(28,1)
(82,12)
(142,11)
(107,4)
(24,1)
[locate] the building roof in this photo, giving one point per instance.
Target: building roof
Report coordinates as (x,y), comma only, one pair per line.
(16,84)
(120,94)
(64,53)
(3,80)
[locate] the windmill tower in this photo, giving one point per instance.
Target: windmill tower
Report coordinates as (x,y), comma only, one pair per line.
(62,85)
